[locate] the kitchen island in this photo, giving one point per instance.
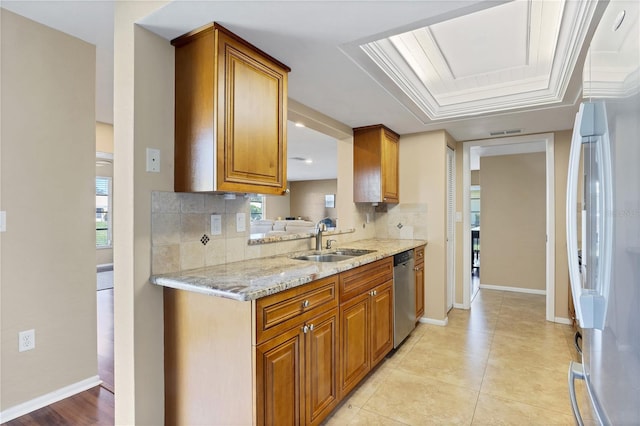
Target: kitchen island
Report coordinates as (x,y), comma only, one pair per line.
(282,341)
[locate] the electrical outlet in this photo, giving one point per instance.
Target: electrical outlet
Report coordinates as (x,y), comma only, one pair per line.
(26,340)
(240,222)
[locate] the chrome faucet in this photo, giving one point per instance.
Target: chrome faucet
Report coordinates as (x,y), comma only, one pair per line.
(320,228)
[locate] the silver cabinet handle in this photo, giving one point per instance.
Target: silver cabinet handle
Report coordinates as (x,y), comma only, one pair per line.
(305,304)
(373,292)
(575,372)
(305,329)
(310,327)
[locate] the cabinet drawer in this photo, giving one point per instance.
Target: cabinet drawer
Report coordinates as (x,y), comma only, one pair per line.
(419,255)
(363,278)
(281,311)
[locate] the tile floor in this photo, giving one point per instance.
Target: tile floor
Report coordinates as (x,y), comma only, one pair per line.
(498,363)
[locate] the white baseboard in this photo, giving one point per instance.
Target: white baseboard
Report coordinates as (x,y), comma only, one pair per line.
(425,320)
(48,399)
(513,289)
(561,320)
(459,306)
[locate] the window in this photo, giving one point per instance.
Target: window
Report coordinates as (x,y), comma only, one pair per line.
(103,212)
(257,205)
(475,205)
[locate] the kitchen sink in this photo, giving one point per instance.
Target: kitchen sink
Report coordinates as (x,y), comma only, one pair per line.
(326,257)
(334,256)
(353,252)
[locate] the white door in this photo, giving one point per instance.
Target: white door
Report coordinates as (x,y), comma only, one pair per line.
(451,223)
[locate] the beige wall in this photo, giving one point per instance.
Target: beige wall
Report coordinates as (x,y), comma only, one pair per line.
(48,191)
(104,137)
(423,181)
(308,201)
(475,177)
(143,117)
(562,142)
(104,143)
(278,205)
(513,221)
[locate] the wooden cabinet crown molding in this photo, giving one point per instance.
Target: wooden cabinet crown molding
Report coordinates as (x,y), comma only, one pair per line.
(230,115)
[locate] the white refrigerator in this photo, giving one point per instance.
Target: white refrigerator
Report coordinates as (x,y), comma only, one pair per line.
(603,221)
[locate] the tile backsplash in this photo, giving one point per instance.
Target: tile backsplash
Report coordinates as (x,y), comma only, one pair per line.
(403,221)
(181,232)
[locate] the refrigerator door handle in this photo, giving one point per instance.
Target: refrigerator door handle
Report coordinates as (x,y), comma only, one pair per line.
(590,303)
(577,336)
(572,219)
(575,372)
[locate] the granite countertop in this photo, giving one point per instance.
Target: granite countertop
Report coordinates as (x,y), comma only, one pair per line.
(255,278)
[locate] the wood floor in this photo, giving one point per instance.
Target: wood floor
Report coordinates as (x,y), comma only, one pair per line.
(91,407)
(105,338)
(94,406)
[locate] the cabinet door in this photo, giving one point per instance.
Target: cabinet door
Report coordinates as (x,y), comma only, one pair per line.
(252,109)
(354,342)
(321,366)
(419,290)
(389,168)
(381,322)
(278,379)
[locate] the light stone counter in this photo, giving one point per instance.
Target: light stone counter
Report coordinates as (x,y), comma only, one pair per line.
(255,278)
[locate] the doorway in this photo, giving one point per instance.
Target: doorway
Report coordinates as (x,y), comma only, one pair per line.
(451,223)
(518,144)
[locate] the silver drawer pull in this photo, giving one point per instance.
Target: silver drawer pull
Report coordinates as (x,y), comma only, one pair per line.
(310,327)
(305,304)
(305,329)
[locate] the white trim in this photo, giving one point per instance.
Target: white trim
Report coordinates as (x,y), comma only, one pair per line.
(104,155)
(466,225)
(513,289)
(442,323)
(551,233)
(451,249)
(48,399)
(548,138)
(561,320)
(459,306)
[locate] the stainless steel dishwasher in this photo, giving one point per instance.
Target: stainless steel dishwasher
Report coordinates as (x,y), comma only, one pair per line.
(404,296)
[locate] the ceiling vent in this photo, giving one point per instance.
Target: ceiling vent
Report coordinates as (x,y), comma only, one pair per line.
(505,132)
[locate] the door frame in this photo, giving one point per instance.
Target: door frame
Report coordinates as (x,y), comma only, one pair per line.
(548,139)
(450,240)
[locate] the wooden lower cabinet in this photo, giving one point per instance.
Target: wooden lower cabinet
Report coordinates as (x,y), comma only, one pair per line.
(381,322)
(285,359)
(354,341)
(296,373)
(366,334)
(278,379)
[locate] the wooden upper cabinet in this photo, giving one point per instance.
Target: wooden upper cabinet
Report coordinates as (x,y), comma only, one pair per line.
(231,114)
(375,165)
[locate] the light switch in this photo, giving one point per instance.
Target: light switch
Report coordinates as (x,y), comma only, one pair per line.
(153,160)
(240,222)
(216,224)
(3,221)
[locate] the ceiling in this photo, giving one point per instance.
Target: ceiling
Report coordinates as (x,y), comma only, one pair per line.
(317,39)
